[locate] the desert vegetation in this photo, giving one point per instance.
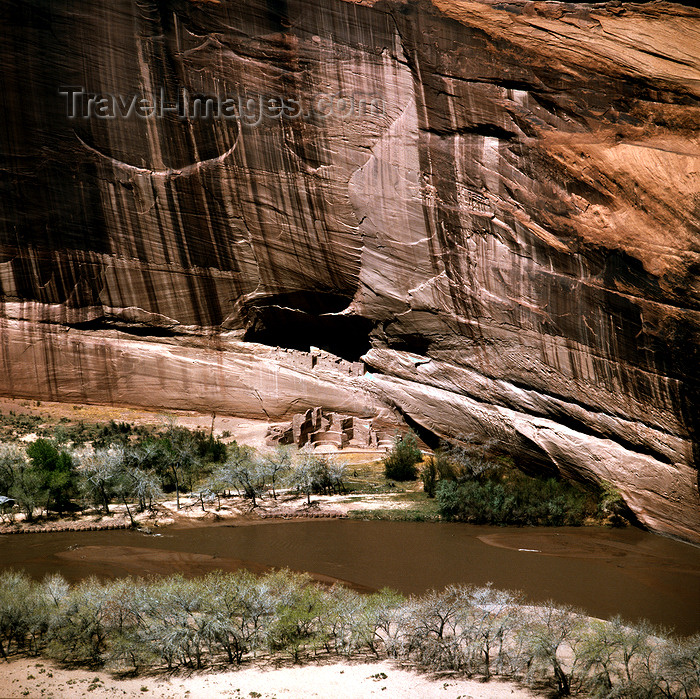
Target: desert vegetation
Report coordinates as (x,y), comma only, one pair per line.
(401,462)
(76,468)
(137,468)
(132,625)
(256,474)
(474,483)
(57,476)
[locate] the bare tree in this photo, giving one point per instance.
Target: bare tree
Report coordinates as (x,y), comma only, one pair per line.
(470,460)
(276,464)
(304,474)
(550,629)
(493,617)
(100,470)
(247,471)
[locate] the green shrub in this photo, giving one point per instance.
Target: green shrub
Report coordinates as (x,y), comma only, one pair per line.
(611,505)
(400,464)
(518,500)
(56,472)
(22,423)
(300,617)
(429,476)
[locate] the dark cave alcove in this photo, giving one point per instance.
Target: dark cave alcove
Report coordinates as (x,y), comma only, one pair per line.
(302,320)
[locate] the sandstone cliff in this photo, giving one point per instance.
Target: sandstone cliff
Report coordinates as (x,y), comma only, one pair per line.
(509,235)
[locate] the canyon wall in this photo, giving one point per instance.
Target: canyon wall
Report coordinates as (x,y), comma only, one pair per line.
(495,205)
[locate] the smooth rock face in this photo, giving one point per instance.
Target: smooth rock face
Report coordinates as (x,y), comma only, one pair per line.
(508,234)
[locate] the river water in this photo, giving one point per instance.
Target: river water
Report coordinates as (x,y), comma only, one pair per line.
(602,571)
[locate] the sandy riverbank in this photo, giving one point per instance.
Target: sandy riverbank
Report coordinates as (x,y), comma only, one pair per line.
(191,513)
(40,678)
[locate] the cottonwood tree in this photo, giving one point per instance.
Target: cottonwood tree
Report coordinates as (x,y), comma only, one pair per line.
(142,481)
(188,630)
(335,475)
(145,639)
(145,487)
(178,457)
(315,473)
(304,474)
(219,481)
(120,473)
(12,462)
(431,630)
(55,589)
(600,654)
(372,620)
(190,622)
(224,602)
(257,602)
(19,606)
(347,630)
(394,623)
(299,620)
(20,481)
(56,472)
(276,465)
(80,631)
(100,471)
(165,605)
(129,643)
(248,472)
(549,630)
(493,615)
(142,486)
(437,612)
(634,640)
(621,657)
(235,474)
(679,669)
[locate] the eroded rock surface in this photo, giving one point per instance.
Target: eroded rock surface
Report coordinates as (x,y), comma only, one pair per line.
(511,240)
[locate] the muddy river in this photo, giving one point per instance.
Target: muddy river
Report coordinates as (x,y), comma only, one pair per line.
(603,571)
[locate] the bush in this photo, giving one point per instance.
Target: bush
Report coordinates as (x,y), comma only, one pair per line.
(518,500)
(612,506)
(190,623)
(56,472)
(437,467)
(13,425)
(22,614)
(429,477)
(400,464)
